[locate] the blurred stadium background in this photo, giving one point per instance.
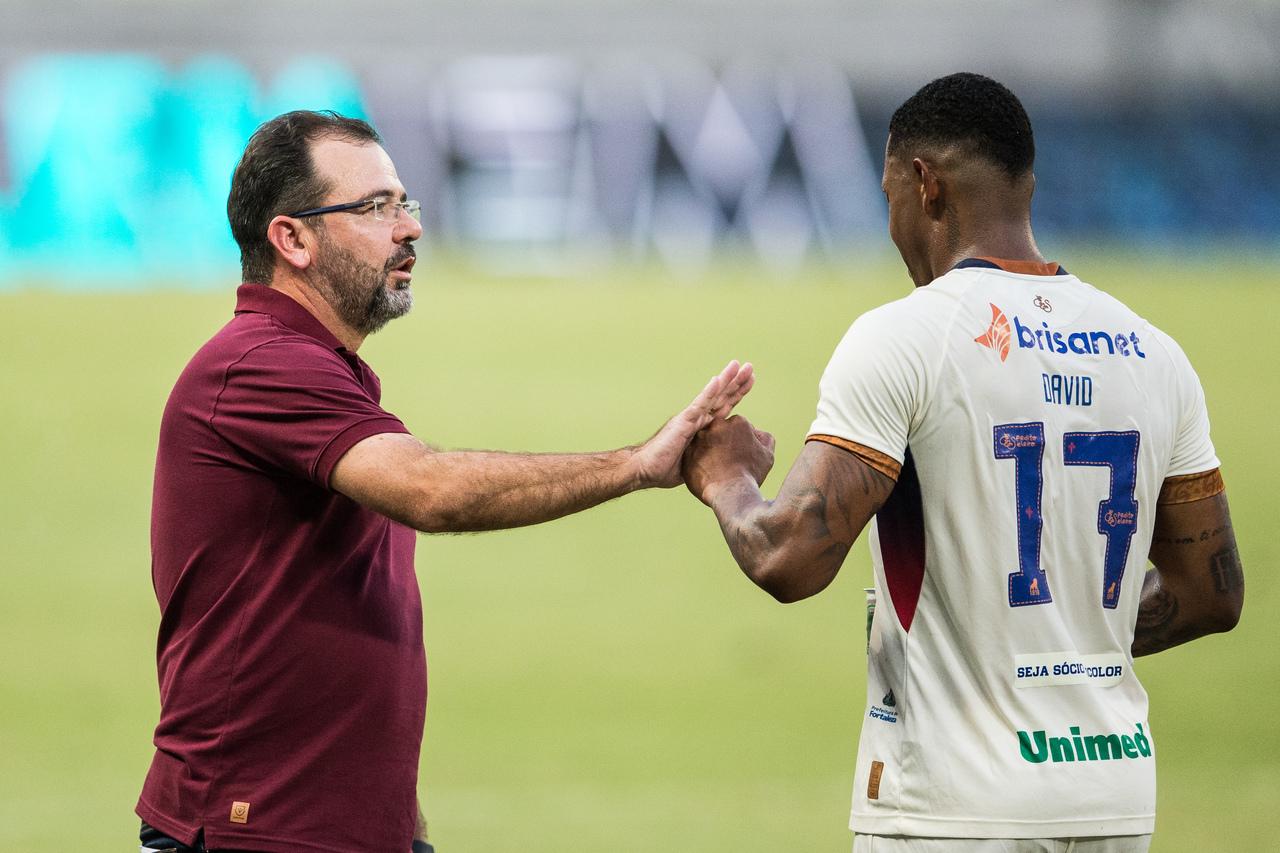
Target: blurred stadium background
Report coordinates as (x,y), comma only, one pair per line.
(619,196)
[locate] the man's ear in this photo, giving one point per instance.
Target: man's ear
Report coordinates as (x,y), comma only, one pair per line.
(291,241)
(931,188)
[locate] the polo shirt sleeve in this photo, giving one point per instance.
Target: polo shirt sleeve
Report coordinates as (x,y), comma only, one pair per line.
(296,406)
(870,391)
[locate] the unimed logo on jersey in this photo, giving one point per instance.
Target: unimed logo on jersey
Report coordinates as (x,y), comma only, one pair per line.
(999,336)
(1039,747)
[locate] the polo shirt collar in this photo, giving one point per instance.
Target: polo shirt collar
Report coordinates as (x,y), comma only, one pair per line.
(261,299)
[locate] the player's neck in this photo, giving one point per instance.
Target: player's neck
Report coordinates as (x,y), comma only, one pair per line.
(1009,242)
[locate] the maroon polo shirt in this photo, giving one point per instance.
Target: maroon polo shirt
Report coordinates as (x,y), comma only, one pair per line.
(292,672)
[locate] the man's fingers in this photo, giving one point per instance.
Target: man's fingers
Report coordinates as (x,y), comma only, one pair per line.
(728,382)
(718,397)
(737,384)
(712,396)
(741,375)
(736,390)
(707,399)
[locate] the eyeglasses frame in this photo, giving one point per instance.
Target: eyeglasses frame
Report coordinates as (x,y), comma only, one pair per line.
(354,205)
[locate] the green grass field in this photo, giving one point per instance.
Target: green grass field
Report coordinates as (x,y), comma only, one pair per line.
(607,682)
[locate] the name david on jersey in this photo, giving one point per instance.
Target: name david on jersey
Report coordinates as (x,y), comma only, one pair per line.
(999,335)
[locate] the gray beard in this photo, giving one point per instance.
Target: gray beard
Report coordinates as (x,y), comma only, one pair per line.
(357,291)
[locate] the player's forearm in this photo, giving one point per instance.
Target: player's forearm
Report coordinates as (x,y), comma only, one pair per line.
(1161,624)
(464,491)
(780,545)
(737,505)
(1169,616)
(1197,585)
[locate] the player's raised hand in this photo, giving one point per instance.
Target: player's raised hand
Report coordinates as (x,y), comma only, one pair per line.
(727,450)
(658,459)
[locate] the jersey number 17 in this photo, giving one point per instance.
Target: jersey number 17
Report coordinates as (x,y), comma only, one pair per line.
(1117,515)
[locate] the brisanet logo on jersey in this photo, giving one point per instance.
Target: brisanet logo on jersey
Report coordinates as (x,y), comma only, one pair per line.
(1000,335)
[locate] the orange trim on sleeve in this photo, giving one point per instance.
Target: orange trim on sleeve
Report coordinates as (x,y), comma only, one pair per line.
(1024,267)
(1191,487)
(883,463)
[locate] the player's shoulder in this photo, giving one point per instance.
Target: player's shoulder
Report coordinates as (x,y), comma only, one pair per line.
(916,315)
(919,323)
(1159,342)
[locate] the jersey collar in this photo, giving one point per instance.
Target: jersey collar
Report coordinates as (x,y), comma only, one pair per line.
(1019,267)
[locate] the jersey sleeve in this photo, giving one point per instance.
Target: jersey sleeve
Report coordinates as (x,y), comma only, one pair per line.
(870,392)
(297,407)
(1192,450)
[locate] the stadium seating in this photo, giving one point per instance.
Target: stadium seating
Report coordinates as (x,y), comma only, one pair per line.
(117,165)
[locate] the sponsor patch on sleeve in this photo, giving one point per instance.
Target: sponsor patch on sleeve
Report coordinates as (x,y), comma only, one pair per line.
(1054,669)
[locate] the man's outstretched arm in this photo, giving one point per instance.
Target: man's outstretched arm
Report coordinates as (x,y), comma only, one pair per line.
(467,490)
(1197,585)
(792,546)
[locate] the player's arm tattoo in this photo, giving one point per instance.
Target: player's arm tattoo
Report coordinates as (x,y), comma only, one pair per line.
(1158,626)
(1197,585)
(1228,575)
(794,545)
(1206,535)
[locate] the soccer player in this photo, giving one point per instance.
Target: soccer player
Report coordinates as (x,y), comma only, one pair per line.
(1024,442)
(293,679)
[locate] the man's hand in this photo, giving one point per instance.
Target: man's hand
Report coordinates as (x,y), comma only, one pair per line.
(657,461)
(725,451)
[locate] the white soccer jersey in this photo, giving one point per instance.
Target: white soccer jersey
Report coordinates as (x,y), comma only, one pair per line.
(1035,418)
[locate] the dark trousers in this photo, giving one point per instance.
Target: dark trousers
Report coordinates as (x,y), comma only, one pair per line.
(153,839)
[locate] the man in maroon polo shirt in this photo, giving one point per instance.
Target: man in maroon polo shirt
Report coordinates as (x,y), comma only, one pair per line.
(291,665)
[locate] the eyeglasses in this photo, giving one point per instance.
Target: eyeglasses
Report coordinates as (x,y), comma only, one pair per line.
(384,209)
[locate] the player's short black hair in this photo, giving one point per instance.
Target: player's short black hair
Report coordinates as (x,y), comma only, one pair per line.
(276,175)
(972,110)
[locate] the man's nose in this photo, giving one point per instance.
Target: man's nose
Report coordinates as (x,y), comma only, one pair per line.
(407,229)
